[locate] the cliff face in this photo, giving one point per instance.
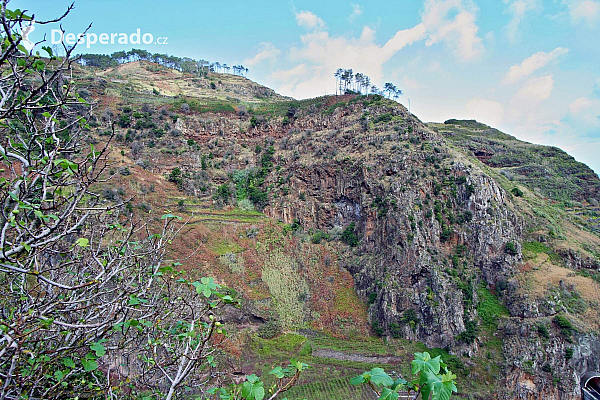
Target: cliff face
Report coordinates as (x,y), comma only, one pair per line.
(449,240)
(436,232)
(551,366)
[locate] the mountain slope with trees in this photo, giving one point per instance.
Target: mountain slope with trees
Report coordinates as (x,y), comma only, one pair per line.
(340,230)
(446,242)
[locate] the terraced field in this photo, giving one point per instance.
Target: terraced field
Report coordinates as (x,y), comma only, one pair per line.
(334,389)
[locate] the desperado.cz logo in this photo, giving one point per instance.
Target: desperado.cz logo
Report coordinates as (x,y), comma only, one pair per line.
(57,36)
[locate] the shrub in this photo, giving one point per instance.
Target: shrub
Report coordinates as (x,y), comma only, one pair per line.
(470,190)
(564,324)
(387,117)
(511,248)
(269,330)
(543,331)
(470,333)
(395,330)
(348,236)
(446,234)
(176,176)
(568,353)
(224,192)
(124,121)
(318,236)
(296,226)
(517,192)
(547,368)
(410,317)
(372,297)
(245,204)
(377,329)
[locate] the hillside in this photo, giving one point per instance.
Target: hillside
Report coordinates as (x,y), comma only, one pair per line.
(356,234)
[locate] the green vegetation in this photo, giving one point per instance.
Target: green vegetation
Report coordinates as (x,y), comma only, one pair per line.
(564,324)
(517,192)
(536,247)
(470,333)
(511,248)
(433,378)
(569,353)
(349,236)
(543,331)
(489,309)
(288,288)
(204,105)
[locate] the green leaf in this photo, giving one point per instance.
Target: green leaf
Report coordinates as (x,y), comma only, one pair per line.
(388,394)
(48,50)
(59,375)
(98,348)
(278,372)
(357,380)
(89,364)
(423,362)
(133,300)
(68,362)
(380,377)
(441,386)
(253,388)
(259,393)
(83,242)
(399,383)
(166,269)
(206,286)
(425,391)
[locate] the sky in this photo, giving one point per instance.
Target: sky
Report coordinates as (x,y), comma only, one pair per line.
(530,68)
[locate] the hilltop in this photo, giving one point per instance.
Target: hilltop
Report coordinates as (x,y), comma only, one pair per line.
(345,220)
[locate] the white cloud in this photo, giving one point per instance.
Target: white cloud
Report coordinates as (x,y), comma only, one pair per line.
(584,113)
(487,111)
(450,22)
(309,20)
(534,91)
(579,105)
(267,52)
(587,11)
(356,12)
(532,64)
(523,107)
(289,78)
(411,84)
(517,9)
(294,73)
(460,34)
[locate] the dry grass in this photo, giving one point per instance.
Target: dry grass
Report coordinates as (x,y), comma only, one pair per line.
(541,276)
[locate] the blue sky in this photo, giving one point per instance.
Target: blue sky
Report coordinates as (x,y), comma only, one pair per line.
(528,67)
